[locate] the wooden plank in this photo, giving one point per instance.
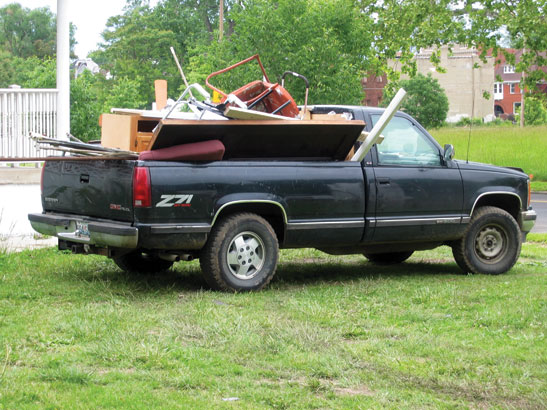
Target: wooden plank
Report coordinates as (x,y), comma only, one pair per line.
(243,114)
(328,117)
(264,138)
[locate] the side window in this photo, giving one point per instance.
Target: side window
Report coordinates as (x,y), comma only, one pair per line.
(404,144)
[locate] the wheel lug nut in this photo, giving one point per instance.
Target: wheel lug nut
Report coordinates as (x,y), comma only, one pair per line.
(241,250)
(243,263)
(252,253)
(239,257)
(248,248)
(250,261)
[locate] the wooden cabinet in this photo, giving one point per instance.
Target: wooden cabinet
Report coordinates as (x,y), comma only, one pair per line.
(129,132)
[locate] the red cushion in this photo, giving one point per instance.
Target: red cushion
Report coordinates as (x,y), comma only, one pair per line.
(197,151)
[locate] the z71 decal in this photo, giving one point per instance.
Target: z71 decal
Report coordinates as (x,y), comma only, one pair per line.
(168,201)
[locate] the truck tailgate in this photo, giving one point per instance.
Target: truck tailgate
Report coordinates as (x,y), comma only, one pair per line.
(95,188)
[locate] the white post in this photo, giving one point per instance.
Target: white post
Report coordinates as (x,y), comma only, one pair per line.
(376,131)
(63,70)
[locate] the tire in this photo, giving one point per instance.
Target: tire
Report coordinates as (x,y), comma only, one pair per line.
(491,243)
(241,254)
(140,262)
(389,258)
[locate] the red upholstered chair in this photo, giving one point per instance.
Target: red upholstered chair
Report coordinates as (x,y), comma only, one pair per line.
(197,151)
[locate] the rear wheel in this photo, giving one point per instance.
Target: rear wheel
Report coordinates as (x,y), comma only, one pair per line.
(388,258)
(241,254)
(491,243)
(141,262)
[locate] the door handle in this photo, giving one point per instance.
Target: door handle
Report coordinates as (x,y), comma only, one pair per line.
(384,181)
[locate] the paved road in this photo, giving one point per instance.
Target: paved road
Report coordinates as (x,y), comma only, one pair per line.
(539,203)
(16,201)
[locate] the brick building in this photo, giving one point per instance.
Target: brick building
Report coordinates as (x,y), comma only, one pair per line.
(507,93)
(373,86)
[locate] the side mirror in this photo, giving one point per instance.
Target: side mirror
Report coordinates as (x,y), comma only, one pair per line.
(449,152)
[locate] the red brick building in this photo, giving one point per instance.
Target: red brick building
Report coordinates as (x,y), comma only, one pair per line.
(373,86)
(507,93)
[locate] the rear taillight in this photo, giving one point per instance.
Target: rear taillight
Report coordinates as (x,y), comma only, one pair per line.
(142,193)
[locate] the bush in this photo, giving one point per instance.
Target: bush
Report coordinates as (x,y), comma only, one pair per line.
(535,112)
(425,100)
(84,107)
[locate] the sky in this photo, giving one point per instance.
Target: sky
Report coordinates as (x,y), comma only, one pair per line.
(89,17)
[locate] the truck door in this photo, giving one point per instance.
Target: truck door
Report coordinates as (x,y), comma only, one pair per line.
(419,197)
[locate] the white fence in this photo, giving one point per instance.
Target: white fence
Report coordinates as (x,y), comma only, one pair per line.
(23,111)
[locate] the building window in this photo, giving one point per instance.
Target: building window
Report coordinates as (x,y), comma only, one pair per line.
(516,107)
(513,88)
(508,69)
(498,91)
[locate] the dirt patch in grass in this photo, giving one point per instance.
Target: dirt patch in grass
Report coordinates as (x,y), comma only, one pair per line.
(354,391)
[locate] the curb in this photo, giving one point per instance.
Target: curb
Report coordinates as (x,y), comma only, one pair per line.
(20,176)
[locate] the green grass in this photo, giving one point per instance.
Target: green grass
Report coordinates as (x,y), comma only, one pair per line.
(330,332)
(503,146)
(537,237)
(539,186)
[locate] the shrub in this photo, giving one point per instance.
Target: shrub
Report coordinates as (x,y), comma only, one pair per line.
(535,112)
(426,100)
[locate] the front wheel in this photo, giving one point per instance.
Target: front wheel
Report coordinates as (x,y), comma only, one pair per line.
(491,243)
(241,254)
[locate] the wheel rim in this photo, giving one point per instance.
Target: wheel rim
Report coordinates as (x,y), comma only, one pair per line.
(491,243)
(245,255)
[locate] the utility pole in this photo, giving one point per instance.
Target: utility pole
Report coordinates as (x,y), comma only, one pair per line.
(63,71)
(221,21)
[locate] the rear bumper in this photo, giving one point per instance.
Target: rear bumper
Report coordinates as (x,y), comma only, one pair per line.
(99,233)
(527,220)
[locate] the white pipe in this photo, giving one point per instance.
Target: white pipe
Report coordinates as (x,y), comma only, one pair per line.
(63,70)
(375,133)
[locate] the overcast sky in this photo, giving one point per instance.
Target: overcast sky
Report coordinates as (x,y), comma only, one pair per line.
(89,17)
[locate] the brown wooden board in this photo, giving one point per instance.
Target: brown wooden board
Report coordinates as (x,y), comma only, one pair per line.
(264,139)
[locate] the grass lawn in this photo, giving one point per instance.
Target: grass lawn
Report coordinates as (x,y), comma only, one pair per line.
(539,186)
(503,146)
(330,332)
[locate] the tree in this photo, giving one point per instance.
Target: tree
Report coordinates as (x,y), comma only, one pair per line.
(124,94)
(536,111)
(326,41)
(85,108)
(29,33)
(426,100)
(137,43)
(525,23)
(333,42)
(137,46)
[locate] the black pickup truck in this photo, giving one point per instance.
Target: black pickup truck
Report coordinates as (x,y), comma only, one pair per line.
(407,194)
